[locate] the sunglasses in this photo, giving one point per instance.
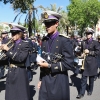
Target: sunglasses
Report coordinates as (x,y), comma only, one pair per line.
(89,33)
(14,33)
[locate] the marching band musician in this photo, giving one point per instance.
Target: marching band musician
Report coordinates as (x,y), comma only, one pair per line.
(98,58)
(54,83)
(32,56)
(4,39)
(4,36)
(17,85)
(76,51)
(90,49)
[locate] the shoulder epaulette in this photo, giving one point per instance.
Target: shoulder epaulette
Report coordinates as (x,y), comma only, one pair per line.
(25,41)
(44,38)
(64,35)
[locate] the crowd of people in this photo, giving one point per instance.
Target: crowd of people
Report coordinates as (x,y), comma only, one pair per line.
(58,53)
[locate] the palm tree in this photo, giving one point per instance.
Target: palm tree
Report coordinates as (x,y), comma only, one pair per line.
(25,7)
(64,23)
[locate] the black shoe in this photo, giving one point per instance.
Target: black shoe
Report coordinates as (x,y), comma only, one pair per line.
(30,79)
(99,76)
(72,84)
(89,93)
(95,78)
(74,75)
(79,96)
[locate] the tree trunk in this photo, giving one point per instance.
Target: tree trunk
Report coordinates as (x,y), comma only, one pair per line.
(67,30)
(30,25)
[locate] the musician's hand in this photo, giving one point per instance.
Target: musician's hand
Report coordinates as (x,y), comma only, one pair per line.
(0,47)
(43,64)
(5,47)
(39,85)
(86,51)
(83,54)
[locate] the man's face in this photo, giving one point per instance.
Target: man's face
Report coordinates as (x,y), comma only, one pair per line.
(15,36)
(4,35)
(51,27)
(25,35)
(88,35)
(98,39)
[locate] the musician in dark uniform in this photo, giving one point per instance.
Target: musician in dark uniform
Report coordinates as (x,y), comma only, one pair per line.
(32,56)
(4,36)
(76,51)
(3,65)
(98,58)
(54,82)
(17,85)
(90,49)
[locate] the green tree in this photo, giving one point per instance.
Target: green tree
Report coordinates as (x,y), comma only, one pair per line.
(21,5)
(24,7)
(84,12)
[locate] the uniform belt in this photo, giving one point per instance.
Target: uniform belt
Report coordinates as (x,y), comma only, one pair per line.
(16,65)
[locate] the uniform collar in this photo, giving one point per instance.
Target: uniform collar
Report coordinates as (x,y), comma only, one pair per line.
(53,36)
(90,40)
(19,40)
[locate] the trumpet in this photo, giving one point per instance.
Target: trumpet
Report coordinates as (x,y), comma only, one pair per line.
(85,54)
(82,68)
(2,52)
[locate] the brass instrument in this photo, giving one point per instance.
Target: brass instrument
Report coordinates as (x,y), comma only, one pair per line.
(2,52)
(82,68)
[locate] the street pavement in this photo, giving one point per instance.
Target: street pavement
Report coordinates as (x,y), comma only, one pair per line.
(73,89)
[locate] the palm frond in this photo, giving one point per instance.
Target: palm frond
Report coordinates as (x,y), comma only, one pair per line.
(42,7)
(59,9)
(26,19)
(16,16)
(19,19)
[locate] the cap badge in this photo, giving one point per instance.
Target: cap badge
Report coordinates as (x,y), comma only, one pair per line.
(10,26)
(46,15)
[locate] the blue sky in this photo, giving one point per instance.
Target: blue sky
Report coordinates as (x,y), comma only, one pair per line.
(7,14)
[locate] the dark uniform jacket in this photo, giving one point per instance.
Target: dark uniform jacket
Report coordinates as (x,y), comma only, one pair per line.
(31,59)
(90,64)
(3,60)
(98,58)
(17,85)
(55,83)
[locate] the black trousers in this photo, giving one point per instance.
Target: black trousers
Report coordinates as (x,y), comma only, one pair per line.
(29,73)
(2,70)
(84,84)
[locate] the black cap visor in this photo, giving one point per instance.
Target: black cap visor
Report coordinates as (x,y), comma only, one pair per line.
(88,33)
(50,20)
